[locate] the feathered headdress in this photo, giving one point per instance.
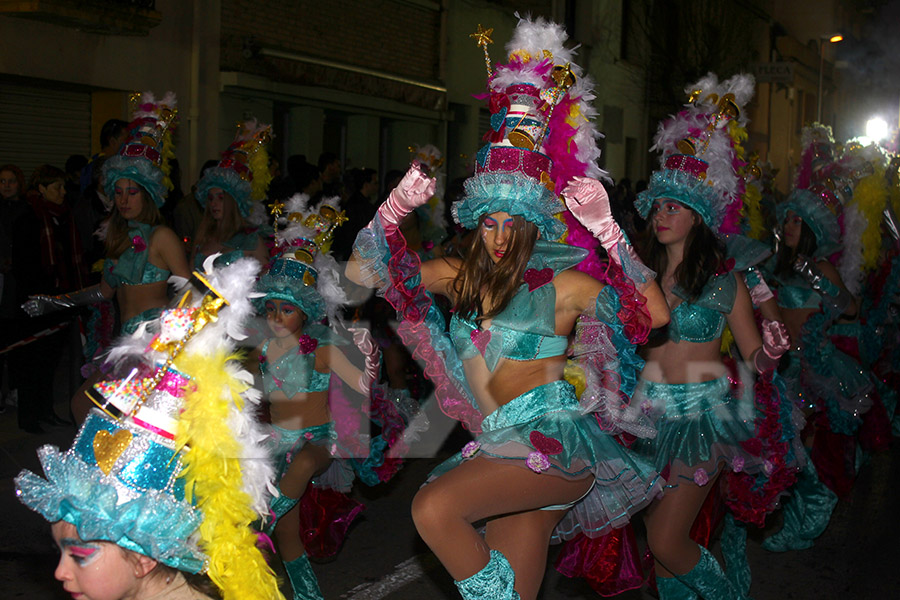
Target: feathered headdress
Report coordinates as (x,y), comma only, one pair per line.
(145,155)
(541,134)
(243,173)
(701,153)
(170,463)
(303,271)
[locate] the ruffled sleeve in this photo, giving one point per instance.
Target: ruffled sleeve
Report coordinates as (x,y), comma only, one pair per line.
(605,348)
(387,264)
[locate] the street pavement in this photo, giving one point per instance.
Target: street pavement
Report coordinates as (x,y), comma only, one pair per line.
(383,558)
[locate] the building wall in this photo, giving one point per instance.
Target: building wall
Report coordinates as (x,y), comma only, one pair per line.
(174,56)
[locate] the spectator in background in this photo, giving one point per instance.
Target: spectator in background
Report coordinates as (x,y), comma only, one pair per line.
(362,188)
(12,204)
(330,171)
(112,136)
(47,259)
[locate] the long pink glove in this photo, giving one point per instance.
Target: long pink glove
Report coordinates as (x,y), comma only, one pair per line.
(362,338)
(415,189)
(588,201)
(776,341)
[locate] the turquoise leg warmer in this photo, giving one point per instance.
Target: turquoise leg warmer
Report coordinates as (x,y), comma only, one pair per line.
(279,507)
(734,549)
(806,513)
(708,580)
(670,588)
(303,580)
(494,582)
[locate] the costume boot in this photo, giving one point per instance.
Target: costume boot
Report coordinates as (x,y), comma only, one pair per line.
(734,551)
(279,507)
(806,513)
(494,582)
(670,588)
(708,579)
(303,580)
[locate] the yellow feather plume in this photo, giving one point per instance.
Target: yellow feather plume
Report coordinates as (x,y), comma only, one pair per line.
(752,212)
(871,196)
(213,480)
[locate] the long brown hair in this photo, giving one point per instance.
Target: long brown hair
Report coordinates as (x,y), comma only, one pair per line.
(704,256)
(806,245)
(479,273)
(117,240)
(211,230)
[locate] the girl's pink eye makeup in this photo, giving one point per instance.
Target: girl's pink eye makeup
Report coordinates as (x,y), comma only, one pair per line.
(83,554)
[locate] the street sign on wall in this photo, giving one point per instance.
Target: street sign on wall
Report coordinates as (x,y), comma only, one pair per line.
(776,72)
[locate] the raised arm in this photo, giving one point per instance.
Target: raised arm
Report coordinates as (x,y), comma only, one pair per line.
(415,189)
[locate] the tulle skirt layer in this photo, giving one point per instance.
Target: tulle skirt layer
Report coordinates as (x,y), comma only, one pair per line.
(543,430)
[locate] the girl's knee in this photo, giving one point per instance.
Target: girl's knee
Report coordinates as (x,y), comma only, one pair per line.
(430,510)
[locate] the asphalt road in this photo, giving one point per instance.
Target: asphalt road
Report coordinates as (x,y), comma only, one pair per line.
(383,558)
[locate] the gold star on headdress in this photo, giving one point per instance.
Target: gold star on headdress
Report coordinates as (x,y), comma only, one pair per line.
(482,37)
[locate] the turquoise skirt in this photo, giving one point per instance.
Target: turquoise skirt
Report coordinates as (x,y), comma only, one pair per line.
(544,430)
(284,444)
(700,426)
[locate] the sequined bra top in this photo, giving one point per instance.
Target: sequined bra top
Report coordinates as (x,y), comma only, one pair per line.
(525,330)
(292,373)
(703,319)
(133,267)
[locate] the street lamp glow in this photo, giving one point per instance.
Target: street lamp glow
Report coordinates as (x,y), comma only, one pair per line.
(836,38)
(876,129)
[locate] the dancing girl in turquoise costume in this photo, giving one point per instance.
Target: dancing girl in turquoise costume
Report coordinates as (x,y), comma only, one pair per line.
(542,466)
(141,252)
(296,363)
(702,420)
(231,194)
(155,498)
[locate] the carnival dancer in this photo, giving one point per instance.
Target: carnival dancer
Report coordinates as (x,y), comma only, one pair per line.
(701,421)
(301,290)
(231,195)
(156,496)
(541,466)
(141,252)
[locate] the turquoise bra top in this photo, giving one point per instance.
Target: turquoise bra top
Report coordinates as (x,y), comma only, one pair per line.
(133,266)
(526,329)
(293,373)
(243,241)
(703,319)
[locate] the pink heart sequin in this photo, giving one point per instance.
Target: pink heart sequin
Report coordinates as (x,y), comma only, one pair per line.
(481,339)
(307,344)
(545,444)
(536,279)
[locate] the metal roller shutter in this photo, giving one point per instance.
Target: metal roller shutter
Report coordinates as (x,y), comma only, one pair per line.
(42,124)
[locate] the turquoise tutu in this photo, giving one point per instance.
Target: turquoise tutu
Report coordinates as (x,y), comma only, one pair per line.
(284,444)
(544,430)
(701,427)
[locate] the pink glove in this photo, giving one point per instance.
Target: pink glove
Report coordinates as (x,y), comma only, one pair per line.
(589,202)
(776,341)
(415,189)
(760,292)
(362,338)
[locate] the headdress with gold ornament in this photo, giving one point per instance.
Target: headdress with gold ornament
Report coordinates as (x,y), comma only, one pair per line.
(541,134)
(243,172)
(303,271)
(701,155)
(145,155)
(170,463)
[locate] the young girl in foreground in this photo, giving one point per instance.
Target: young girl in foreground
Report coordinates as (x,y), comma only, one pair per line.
(296,364)
(155,497)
